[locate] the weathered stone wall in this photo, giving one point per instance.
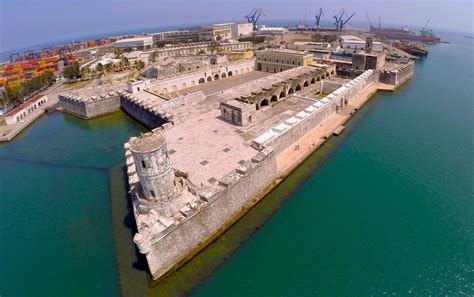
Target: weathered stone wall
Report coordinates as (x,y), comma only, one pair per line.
(398,76)
(329,86)
(180,242)
(102,106)
(73,105)
(142,115)
(183,100)
(92,107)
(287,133)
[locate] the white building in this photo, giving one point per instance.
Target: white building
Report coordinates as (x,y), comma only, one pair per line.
(242,29)
(269,31)
(354,42)
(138,42)
(23,111)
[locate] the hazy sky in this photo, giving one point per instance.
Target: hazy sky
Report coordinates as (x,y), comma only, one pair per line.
(30,22)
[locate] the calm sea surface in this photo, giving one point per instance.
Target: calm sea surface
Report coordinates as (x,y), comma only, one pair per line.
(386,209)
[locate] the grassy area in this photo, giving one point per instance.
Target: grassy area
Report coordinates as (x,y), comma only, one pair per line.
(77,84)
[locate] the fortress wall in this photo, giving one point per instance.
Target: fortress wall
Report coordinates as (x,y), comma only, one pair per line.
(399,76)
(174,247)
(102,106)
(89,108)
(287,133)
(329,86)
(142,115)
(73,105)
(183,81)
(183,100)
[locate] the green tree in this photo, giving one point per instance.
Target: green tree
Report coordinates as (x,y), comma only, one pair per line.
(140,64)
(100,68)
(109,67)
(214,46)
(72,71)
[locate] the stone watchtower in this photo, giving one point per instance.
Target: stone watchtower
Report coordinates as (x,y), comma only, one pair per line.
(154,168)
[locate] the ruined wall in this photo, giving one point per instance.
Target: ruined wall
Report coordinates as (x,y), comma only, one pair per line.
(175,246)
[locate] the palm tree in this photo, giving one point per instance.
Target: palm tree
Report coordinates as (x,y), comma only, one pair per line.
(100,68)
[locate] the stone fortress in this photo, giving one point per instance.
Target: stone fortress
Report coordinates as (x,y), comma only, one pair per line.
(222,137)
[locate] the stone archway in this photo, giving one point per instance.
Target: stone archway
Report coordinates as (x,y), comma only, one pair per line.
(259,66)
(274,98)
(209,78)
(291,91)
(318,78)
(282,94)
(216,76)
(298,88)
(229,73)
(305,84)
(257,106)
(332,72)
(313,81)
(201,80)
(264,103)
(223,75)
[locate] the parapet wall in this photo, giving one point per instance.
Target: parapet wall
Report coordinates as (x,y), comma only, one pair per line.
(90,107)
(398,76)
(283,135)
(146,116)
(241,187)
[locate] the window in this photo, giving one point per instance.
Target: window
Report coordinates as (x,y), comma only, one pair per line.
(152,194)
(143,164)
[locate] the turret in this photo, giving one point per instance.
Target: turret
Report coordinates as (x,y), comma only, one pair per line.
(154,168)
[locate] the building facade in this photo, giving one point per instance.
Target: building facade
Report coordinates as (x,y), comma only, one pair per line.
(280,60)
(138,42)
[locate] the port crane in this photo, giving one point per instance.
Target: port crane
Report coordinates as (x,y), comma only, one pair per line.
(368,19)
(254,16)
(318,18)
(339,19)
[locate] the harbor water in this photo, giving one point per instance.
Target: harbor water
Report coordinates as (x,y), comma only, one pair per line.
(387,208)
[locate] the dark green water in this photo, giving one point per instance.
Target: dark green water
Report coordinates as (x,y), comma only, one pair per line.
(55,223)
(390,213)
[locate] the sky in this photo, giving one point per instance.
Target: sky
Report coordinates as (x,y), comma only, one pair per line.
(25,23)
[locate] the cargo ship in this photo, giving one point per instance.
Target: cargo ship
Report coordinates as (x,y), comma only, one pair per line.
(426,36)
(416,50)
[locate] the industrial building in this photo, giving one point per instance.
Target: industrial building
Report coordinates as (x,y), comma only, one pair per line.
(355,43)
(179,35)
(216,32)
(137,42)
(280,60)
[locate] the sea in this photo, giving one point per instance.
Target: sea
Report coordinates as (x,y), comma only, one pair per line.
(385,209)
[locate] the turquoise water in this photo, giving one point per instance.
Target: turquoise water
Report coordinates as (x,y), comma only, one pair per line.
(390,213)
(55,212)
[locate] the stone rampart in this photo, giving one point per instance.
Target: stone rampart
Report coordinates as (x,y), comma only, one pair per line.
(283,135)
(239,189)
(398,76)
(146,116)
(90,107)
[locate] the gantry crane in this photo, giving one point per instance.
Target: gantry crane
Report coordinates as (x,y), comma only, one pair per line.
(318,18)
(253,17)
